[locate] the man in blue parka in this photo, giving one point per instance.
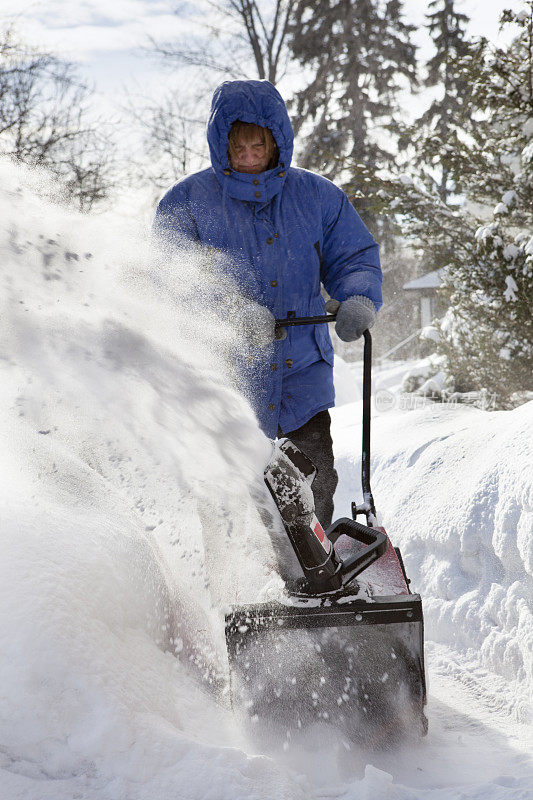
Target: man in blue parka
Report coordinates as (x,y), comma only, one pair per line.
(283,232)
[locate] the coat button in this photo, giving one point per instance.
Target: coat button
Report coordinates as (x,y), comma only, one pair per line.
(227,172)
(273,367)
(255,182)
(270,240)
(257,194)
(271,406)
(276,236)
(289,362)
(273,283)
(281,174)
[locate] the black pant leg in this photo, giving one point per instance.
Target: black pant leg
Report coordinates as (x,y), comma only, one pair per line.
(314,439)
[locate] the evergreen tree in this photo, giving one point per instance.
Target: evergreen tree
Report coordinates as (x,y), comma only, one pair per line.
(434,139)
(360,54)
(488,331)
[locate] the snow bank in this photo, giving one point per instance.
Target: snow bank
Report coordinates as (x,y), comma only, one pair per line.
(455,488)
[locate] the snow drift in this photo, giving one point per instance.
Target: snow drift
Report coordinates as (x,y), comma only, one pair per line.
(456,490)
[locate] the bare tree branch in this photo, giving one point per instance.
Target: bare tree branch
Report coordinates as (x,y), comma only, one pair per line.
(44,120)
(170,140)
(260,31)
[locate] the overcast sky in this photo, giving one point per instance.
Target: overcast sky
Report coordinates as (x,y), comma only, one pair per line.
(107,36)
(108,40)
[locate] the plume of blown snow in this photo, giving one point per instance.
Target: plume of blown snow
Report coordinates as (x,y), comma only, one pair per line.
(122,425)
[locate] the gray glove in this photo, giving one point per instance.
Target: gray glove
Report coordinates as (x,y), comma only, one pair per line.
(355,315)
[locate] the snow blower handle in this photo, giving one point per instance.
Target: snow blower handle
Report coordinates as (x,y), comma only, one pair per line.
(281,324)
(367,508)
(291,319)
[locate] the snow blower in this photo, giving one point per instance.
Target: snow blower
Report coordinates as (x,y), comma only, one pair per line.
(333,650)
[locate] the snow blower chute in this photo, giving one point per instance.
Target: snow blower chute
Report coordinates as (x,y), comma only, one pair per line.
(335,650)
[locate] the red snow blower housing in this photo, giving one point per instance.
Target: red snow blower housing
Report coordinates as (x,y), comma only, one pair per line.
(335,650)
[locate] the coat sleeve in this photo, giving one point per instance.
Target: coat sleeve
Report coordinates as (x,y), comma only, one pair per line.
(350,256)
(174,224)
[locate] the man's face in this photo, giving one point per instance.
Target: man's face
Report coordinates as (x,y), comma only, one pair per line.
(251,156)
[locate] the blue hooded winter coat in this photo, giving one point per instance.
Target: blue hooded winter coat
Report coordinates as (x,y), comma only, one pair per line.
(284,232)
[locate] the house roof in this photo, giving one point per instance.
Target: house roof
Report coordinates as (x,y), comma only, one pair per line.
(431,280)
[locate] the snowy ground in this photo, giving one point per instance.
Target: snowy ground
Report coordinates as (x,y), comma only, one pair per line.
(122,435)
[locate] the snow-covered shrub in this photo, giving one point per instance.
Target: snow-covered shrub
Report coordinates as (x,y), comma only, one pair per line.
(429,379)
